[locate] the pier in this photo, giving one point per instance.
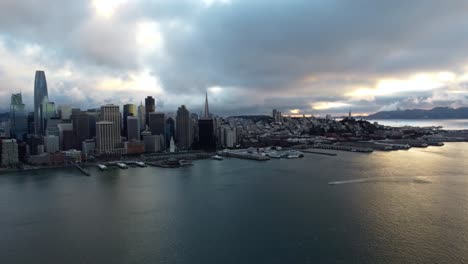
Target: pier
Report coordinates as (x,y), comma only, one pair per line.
(83,170)
(344,148)
(240,155)
(319,153)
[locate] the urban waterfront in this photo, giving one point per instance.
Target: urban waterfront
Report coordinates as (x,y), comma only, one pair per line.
(386,207)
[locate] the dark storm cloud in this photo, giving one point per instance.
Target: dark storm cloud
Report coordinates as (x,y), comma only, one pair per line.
(269,53)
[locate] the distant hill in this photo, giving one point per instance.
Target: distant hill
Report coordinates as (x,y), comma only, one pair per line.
(255,118)
(435,113)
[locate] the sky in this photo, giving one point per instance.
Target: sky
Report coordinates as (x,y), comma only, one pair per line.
(298,56)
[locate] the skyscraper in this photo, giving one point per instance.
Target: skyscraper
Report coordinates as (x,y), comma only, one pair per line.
(47,112)
(133,131)
(169,130)
(40,91)
(183,128)
(141,116)
(108,129)
(81,127)
(128,110)
(156,123)
(18,117)
(206,114)
(150,107)
(206,129)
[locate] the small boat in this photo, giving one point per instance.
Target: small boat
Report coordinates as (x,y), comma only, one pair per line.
(140,164)
(274,155)
(122,165)
(217,157)
(102,167)
(185,163)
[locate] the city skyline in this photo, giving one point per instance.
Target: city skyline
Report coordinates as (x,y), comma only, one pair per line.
(301,57)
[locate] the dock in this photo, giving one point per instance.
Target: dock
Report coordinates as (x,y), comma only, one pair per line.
(319,153)
(240,155)
(343,148)
(83,170)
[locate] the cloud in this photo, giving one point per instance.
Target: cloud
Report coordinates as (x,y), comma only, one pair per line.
(304,56)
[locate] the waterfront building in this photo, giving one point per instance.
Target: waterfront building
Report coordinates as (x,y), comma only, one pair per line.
(150,107)
(157,123)
(156,126)
(141,116)
(206,129)
(172,146)
(206,134)
(40,92)
(9,152)
(134,147)
(108,130)
(18,117)
(152,143)
(23,151)
(51,144)
(93,118)
(81,128)
(133,130)
(33,142)
(73,155)
(183,129)
(105,138)
(230,137)
(66,136)
(88,147)
(128,110)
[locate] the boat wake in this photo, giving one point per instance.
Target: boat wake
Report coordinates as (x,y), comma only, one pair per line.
(383,179)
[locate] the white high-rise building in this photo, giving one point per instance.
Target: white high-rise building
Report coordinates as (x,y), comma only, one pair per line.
(51,143)
(108,129)
(172,145)
(230,138)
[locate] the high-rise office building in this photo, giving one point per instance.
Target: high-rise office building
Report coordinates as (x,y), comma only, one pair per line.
(142,116)
(18,117)
(108,129)
(150,107)
(152,143)
(40,91)
(104,137)
(133,130)
(183,129)
(66,136)
(128,110)
(81,127)
(169,130)
(206,114)
(206,129)
(47,112)
(157,123)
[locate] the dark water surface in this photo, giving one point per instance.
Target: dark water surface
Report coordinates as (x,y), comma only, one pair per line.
(398,207)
